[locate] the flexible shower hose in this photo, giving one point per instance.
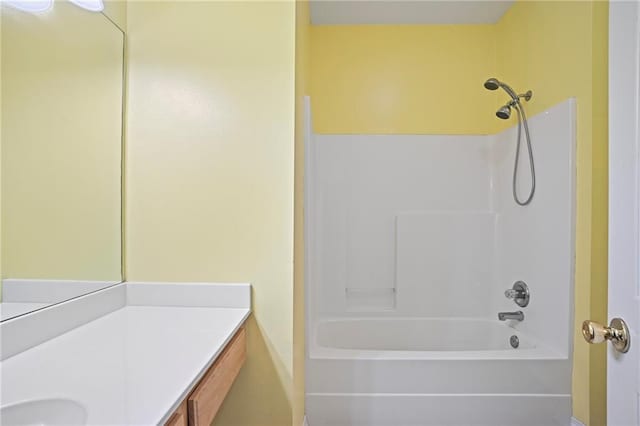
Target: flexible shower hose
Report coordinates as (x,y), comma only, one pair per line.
(522,118)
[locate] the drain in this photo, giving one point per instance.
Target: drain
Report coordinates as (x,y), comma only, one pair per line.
(515,342)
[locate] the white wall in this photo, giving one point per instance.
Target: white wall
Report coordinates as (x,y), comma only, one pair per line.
(384,212)
(424,225)
(535,243)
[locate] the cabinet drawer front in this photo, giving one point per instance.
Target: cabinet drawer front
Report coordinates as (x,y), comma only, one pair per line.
(205,401)
(179,418)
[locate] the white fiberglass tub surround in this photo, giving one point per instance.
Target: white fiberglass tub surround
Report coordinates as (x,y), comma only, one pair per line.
(411,335)
(411,243)
(440,372)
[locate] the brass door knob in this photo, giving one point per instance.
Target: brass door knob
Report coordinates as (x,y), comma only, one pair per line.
(617,333)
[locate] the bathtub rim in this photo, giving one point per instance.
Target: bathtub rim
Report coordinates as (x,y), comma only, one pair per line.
(538,352)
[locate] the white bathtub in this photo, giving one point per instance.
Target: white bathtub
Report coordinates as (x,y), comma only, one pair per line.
(432,372)
(411,334)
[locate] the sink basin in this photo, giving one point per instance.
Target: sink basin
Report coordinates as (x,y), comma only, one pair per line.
(44,412)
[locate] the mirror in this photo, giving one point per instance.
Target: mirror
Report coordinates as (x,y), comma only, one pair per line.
(61,155)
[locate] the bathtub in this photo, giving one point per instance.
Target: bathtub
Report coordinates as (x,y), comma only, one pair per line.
(432,372)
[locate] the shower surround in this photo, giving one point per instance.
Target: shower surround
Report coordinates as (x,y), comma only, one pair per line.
(411,242)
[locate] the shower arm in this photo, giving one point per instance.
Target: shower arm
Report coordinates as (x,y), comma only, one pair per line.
(514,96)
(516,101)
(508,89)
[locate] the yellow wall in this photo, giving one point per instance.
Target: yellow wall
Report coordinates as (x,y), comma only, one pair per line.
(411,79)
(402,79)
(116,10)
(302,82)
(61,144)
(210,171)
(559,50)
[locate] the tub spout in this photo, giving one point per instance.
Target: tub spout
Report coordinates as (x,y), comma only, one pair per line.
(518,316)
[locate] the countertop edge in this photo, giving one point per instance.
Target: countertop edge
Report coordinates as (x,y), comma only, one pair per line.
(203,370)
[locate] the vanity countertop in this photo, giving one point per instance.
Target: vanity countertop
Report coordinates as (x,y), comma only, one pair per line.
(132,366)
(13,309)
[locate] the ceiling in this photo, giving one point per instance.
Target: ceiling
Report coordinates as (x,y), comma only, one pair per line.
(357,12)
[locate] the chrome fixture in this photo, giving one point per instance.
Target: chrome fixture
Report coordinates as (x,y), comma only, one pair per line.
(518,316)
(617,333)
(514,341)
(519,293)
(504,113)
(494,84)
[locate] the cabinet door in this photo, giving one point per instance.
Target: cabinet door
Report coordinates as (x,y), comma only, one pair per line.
(179,418)
(205,401)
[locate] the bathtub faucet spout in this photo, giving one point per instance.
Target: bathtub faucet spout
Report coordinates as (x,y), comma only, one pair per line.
(518,316)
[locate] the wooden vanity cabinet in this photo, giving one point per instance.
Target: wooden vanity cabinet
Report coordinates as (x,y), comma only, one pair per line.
(202,405)
(179,417)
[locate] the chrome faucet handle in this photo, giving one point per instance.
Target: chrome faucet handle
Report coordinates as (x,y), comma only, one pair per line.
(516,316)
(519,293)
(511,293)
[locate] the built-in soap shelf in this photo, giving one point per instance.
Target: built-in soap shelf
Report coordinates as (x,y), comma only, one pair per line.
(370,299)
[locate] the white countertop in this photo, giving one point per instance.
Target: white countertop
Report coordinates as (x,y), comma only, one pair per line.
(132,366)
(13,309)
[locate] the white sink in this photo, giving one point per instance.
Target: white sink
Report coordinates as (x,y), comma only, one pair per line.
(60,412)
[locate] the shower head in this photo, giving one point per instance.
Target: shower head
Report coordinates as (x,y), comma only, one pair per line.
(504,112)
(492,84)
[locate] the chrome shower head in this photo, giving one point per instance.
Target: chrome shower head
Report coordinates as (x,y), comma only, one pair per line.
(504,112)
(492,84)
